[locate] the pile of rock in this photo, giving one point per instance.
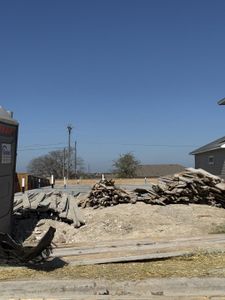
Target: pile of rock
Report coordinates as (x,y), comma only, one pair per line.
(54,205)
(191,186)
(105,193)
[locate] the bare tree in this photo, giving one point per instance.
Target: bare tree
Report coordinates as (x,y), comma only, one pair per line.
(52,163)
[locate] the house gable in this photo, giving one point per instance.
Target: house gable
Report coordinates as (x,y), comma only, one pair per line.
(215,145)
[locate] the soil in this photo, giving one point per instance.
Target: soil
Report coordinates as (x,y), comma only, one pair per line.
(134,221)
(124,222)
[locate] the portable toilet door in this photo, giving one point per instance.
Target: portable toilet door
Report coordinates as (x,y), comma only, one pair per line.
(8,149)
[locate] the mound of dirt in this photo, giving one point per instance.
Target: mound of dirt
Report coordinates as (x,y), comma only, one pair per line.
(139,221)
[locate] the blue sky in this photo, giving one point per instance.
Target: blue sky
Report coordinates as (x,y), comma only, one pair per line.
(139,76)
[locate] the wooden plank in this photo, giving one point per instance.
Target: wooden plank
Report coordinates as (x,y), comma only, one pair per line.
(220,186)
(53,202)
(203,173)
(62,203)
(40,197)
(44,244)
(140,245)
(72,212)
(126,259)
(26,202)
(44,204)
(77,212)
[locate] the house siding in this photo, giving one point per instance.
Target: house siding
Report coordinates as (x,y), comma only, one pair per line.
(217,168)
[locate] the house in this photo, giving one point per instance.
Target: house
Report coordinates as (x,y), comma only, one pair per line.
(158,170)
(221,102)
(211,157)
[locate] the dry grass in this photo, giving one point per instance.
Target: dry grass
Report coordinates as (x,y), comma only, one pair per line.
(199,265)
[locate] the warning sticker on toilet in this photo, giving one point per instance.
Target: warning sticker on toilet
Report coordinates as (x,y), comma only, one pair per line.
(6,154)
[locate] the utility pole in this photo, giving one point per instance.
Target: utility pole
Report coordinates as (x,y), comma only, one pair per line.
(64,161)
(69,128)
(75,159)
(64,167)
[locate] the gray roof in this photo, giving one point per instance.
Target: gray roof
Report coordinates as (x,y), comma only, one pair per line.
(210,147)
(221,102)
(158,170)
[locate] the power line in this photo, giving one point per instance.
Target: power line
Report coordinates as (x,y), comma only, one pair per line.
(160,145)
(46,147)
(139,144)
(41,145)
(39,148)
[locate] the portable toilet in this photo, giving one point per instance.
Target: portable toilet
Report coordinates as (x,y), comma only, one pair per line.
(8,149)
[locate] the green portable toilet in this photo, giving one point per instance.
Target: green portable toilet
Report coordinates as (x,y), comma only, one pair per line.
(8,149)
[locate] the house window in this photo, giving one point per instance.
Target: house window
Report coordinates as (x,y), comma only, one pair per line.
(211,160)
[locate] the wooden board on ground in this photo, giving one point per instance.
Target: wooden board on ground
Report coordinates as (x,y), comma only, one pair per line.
(137,250)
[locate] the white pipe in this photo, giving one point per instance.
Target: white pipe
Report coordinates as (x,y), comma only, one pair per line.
(23,182)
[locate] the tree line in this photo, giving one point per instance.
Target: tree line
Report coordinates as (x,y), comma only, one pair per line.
(55,162)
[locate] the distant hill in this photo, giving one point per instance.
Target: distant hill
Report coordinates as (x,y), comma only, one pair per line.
(158,170)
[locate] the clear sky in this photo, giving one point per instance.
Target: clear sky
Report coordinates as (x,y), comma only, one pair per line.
(130,75)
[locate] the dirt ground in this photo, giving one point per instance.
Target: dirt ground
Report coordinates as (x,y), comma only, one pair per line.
(126,222)
(136,221)
(118,181)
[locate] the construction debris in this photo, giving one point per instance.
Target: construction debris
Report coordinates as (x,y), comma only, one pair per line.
(13,252)
(52,205)
(105,193)
(35,211)
(190,186)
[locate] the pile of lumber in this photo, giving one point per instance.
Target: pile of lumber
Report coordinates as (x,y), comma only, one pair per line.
(104,193)
(190,186)
(54,205)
